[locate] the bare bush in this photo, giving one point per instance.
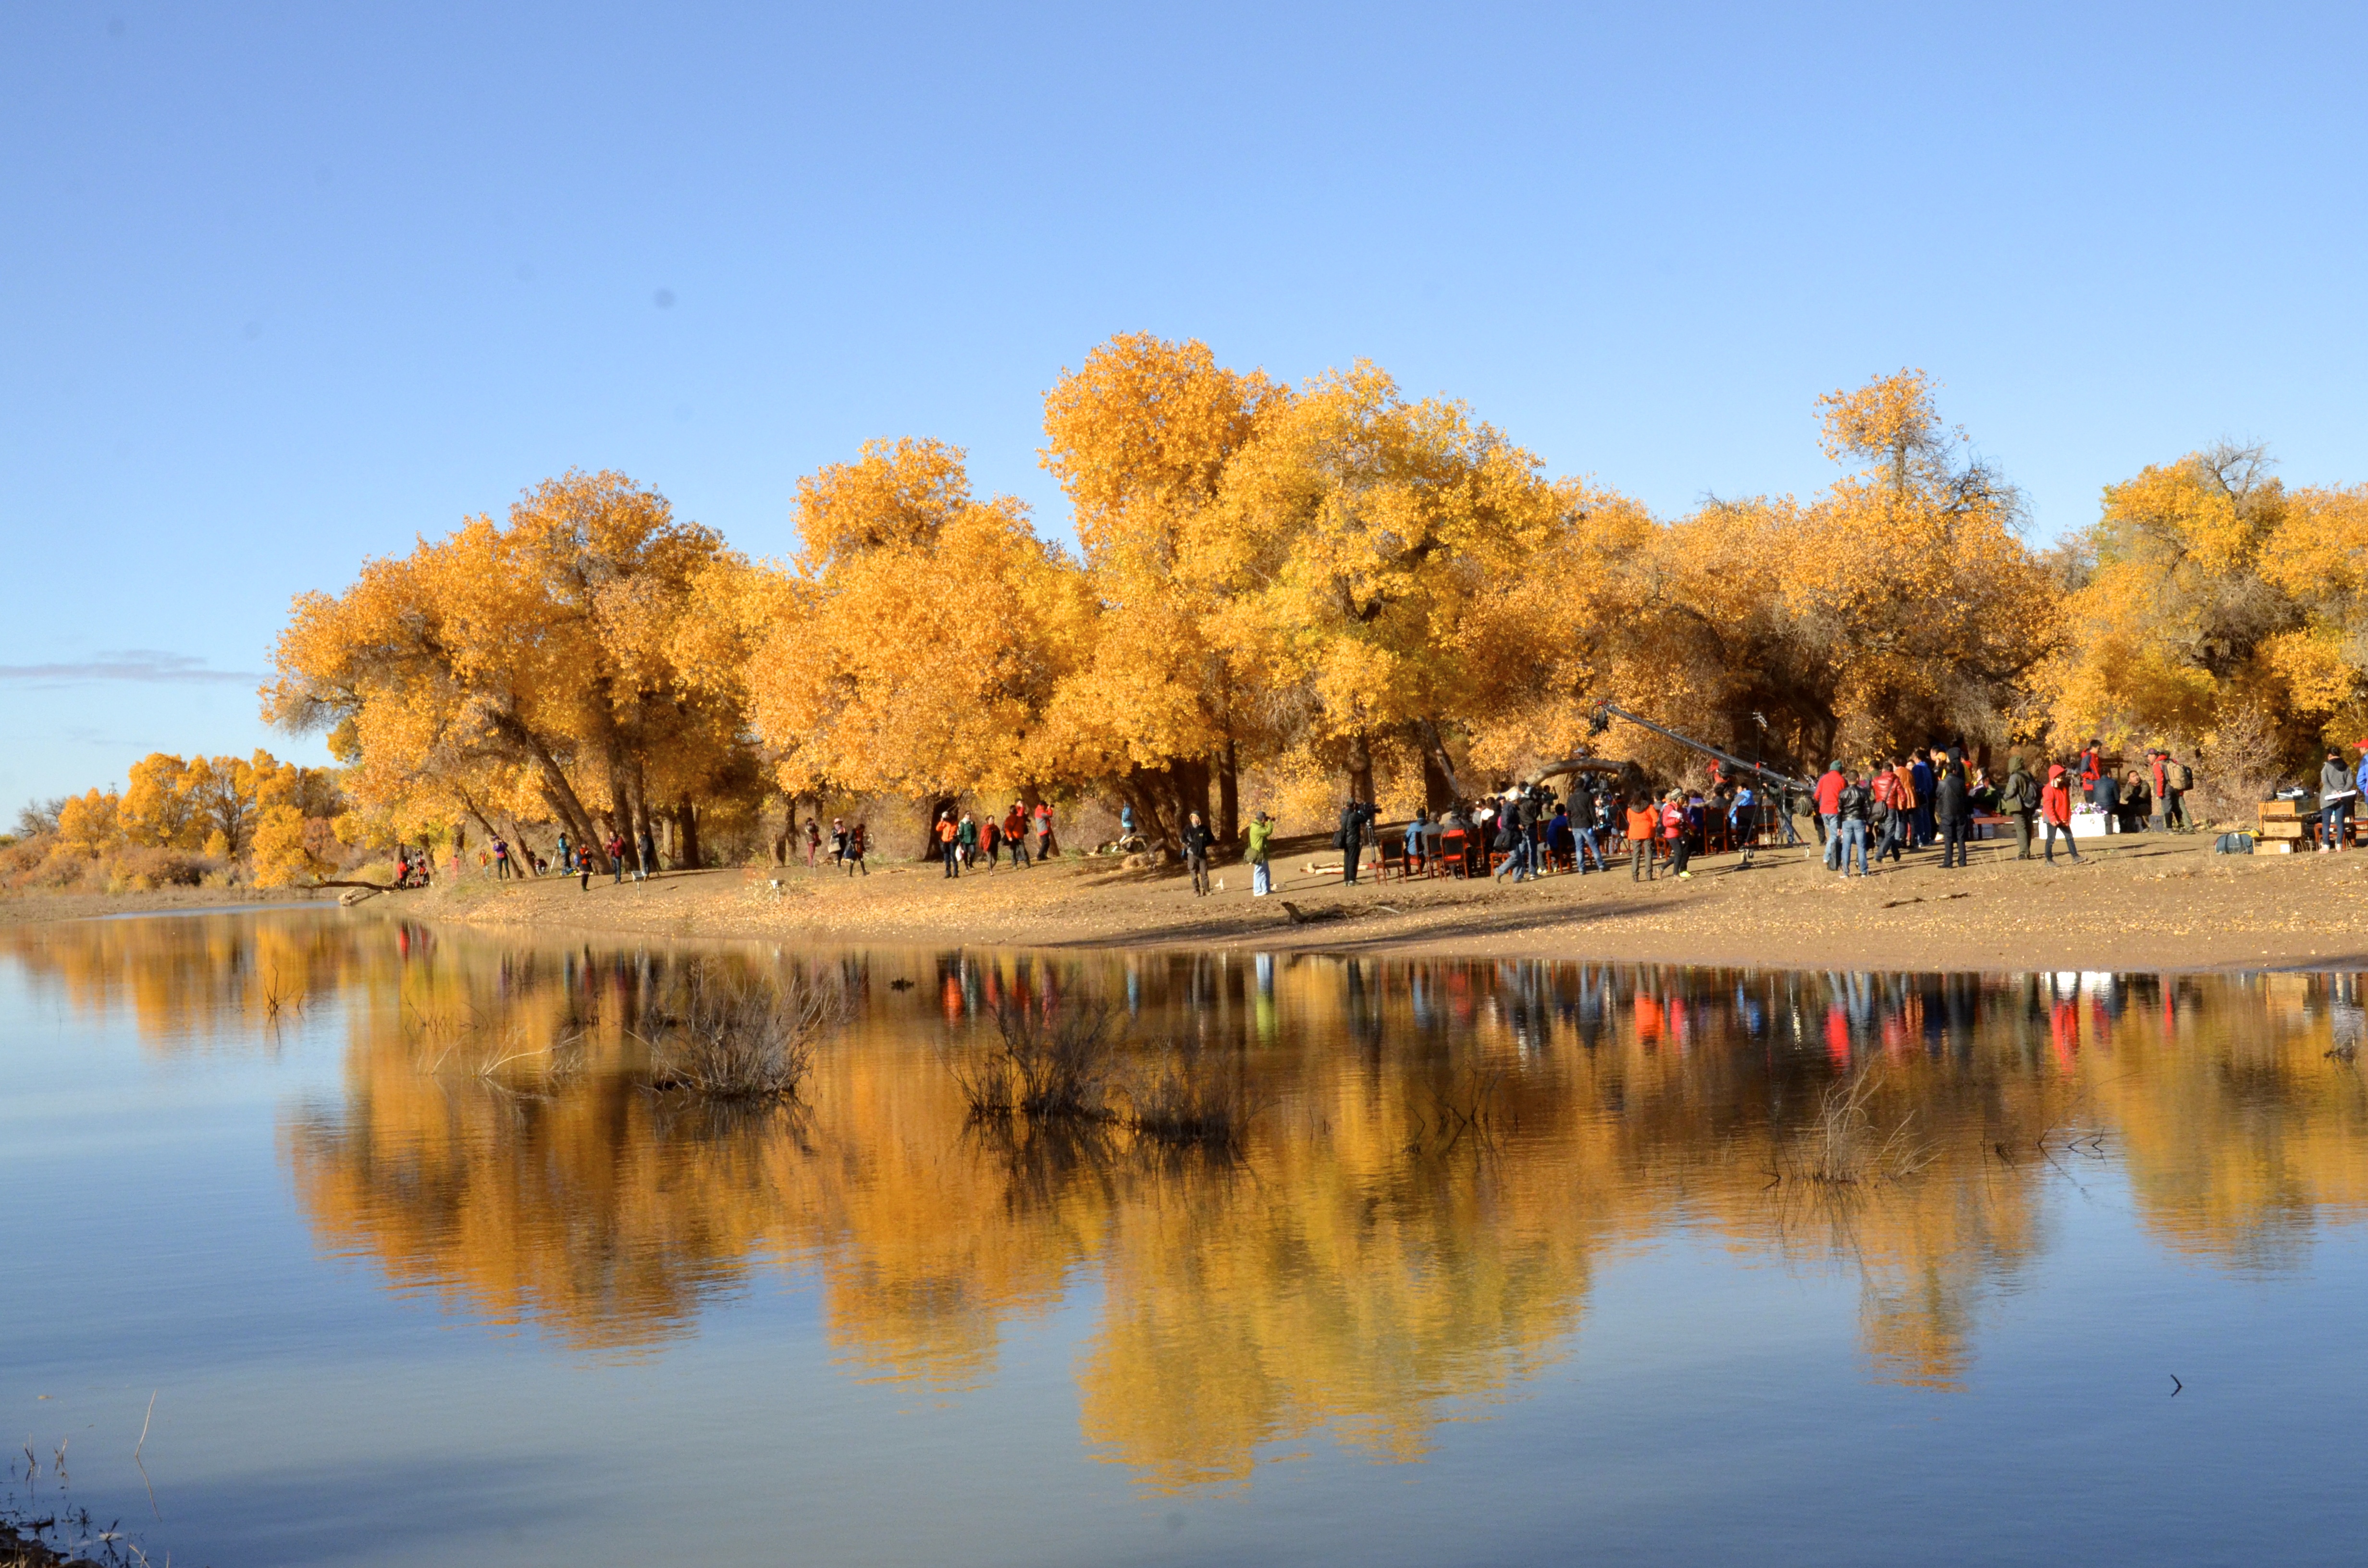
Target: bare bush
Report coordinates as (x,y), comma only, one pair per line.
(145,867)
(1188,1099)
(736,1036)
(1843,1148)
(2237,767)
(1042,1064)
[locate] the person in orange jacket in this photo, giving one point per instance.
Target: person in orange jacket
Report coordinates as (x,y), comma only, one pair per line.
(1643,827)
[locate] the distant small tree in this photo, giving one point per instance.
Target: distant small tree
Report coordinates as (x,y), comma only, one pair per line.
(39,817)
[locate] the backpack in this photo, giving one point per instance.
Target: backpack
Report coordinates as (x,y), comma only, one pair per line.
(2182,777)
(2232,843)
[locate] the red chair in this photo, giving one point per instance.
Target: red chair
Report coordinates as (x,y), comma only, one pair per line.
(1454,858)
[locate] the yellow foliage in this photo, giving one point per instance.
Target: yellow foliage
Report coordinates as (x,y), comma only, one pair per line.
(2214,590)
(921,659)
(522,667)
(281,856)
(1300,582)
(90,824)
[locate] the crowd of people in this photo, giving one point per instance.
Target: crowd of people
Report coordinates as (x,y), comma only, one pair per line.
(1861,815)
(637,858)
(964,841)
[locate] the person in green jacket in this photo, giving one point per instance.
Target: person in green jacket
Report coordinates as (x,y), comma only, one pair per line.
(2020,799)
(1261,835)
(966,836)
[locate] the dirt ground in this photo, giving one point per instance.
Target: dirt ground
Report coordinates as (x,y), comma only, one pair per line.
(2140,902)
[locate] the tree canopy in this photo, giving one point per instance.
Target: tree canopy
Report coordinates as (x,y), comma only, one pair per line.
(1332,581)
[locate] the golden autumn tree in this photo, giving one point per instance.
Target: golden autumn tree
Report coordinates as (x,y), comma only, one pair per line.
(1140,438)
(1374,526)
(90,824)
(2317,557)
(222,792)
(913,646)
(296,810)
(2214,601)
(2173,614)
(156,809)
(205,804)
(531,656)
(1909,579)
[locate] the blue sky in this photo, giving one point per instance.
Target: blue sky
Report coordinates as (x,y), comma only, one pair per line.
(288,285)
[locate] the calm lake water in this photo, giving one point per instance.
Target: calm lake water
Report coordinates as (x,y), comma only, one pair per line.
(1520,1263)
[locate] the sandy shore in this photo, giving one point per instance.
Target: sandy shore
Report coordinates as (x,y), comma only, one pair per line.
(2143,902)
(22,908)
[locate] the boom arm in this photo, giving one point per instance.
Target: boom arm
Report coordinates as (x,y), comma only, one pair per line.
(1607,712)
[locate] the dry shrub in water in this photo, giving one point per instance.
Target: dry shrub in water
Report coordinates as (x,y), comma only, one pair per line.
(736,1035)
(1843,1149)
(1042,1064)
(1186,1099)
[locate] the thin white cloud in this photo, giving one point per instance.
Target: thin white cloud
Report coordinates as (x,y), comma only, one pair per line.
(128,664)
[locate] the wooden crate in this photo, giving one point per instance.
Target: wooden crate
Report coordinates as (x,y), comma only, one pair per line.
(2274,810)
(2274,829)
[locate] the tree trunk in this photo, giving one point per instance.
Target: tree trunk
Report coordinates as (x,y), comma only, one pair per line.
(1187,790)
(1438,794)
(1229,794)
(788,830)
(619,812)
(522,852)
(1361,766)
(556,790)
(685,831)
(1151,818)
(471,807)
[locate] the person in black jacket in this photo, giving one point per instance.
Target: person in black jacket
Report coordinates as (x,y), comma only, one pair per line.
(1196,838)
(1355,818)
(2335,798)
(1857,803)
(1583,810)
(2105,794)
(1952,809)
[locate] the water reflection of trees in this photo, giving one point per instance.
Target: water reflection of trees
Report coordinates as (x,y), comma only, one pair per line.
(1443,1155)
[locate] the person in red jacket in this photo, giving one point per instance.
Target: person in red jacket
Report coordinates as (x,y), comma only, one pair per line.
(2092,765)
(2055,810)
(1830,811)
(1673,830)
